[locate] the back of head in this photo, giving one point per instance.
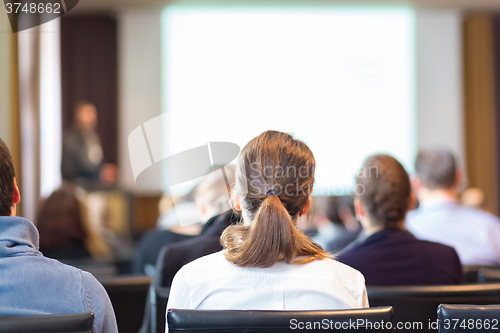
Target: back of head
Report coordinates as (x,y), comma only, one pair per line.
(383,186)
(7,175)
(274,180)
(60,220)
(436,169)
(213,191)
(334,204)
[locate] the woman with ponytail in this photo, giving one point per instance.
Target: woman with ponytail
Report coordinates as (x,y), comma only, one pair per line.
(267,263)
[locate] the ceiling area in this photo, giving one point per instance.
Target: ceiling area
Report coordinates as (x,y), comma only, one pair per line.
(476,5)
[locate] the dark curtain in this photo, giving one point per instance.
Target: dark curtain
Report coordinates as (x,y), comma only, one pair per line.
(496,66)
(89,73)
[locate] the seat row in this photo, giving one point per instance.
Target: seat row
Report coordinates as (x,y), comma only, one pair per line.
(451,319)
(412,304)
(128,296)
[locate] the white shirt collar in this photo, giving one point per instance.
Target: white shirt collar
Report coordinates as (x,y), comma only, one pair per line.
(438,201)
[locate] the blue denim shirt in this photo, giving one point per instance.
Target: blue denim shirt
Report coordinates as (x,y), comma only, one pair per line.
(31,284)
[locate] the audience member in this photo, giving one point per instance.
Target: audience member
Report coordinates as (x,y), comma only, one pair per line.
(168,231)
(389,255)
(33,284)
(473,233)
(473,197)
(317,226)
(82,155)
(211,199)
(65,230)
(267,264)
(340,212)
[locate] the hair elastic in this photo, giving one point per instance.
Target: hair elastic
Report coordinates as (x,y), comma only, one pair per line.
(272,192)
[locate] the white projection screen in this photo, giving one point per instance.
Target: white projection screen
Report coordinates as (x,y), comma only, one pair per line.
(340,79)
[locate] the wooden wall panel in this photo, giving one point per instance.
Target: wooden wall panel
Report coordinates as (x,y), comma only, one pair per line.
(479,107)
(15,121)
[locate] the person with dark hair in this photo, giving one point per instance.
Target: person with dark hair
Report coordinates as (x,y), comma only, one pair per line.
(33,284)
(267,263)
(475,234)
(82,154)
(389,255)
(340,212)
(65,230)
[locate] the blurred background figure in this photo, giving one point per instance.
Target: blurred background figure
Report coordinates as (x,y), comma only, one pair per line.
(82,155)
(168,230)
(65,230)
(473,233)
(185,210)
(473,197)
(340,211)
(334,222)
(185,220)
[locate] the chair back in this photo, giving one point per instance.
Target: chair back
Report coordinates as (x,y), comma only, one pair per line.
(234,321)
(488,275)
(416,305)
(159,299)
(468,318)
(470,273)
(128,296)
(60,323)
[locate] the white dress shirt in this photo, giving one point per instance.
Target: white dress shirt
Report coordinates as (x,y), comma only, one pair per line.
(474,234)
(212,282)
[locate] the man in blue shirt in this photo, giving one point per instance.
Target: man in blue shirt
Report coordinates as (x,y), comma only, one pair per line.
(32,284)
(473,233)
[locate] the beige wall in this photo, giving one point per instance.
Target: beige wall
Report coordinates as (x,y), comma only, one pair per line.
(139,52)
(439,81)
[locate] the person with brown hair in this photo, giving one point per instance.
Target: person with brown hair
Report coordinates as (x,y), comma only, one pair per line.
(65,230)
(389,255)
(267,263)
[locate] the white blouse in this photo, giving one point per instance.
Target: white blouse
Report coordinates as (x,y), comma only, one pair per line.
(212,282)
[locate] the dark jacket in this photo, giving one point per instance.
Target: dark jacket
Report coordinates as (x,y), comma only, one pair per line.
(173,257)
(394,257)
(75,161)
(150,245)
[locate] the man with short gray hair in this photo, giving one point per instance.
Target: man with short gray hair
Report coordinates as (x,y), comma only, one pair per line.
(473,233)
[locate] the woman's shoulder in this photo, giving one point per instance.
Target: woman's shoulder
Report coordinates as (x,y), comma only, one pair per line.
(334,269)
(208,262)
(215,265)
(342,274)
(320,266)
